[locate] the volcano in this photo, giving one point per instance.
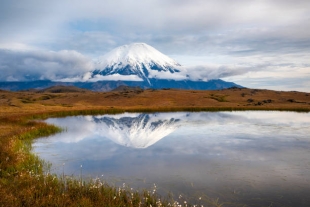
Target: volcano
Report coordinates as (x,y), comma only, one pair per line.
(137,59)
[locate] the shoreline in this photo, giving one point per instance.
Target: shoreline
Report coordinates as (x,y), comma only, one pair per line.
(22,180)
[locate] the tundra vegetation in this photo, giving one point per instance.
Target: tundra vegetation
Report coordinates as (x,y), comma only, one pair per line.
(23,180)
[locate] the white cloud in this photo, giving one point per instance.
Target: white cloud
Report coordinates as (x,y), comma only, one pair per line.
(41,64)
(115,77)
(86,77)
(208,72)
(167,75)
(202,72)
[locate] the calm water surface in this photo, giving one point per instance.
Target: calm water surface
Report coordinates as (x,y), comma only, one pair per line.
(254,158)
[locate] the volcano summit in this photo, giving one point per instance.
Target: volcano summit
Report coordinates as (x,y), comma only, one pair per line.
(137,59)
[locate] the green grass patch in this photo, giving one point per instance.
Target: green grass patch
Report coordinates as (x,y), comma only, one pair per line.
(219,98)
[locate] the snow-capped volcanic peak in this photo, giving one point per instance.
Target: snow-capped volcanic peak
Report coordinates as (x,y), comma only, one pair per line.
(135,59)
(136,53)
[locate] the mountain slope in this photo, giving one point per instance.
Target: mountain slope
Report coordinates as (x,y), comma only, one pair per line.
(135,59)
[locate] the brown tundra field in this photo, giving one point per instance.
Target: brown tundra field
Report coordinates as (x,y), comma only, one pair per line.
(22,180)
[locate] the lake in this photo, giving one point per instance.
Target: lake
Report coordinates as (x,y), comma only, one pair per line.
(257,158)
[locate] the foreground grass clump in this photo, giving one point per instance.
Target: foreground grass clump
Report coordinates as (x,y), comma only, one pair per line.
(24,183)
(31,189)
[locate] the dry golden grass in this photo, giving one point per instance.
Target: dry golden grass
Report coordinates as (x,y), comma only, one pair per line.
(21,103)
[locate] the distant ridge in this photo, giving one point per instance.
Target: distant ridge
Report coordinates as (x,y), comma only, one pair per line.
(110,85)
(124,88)
(62,89)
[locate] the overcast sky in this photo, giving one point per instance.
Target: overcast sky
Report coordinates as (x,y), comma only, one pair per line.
(257,44)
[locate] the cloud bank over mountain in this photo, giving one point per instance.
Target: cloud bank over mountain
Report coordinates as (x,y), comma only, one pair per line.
(18,65)
(70,66)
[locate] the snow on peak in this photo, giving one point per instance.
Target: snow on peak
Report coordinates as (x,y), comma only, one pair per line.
(135,59)
(136,53)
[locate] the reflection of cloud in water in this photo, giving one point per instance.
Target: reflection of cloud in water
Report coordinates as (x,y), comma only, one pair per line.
(75,128)
(139,130)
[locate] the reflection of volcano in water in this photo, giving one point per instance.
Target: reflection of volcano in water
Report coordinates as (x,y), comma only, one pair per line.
(140,131)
